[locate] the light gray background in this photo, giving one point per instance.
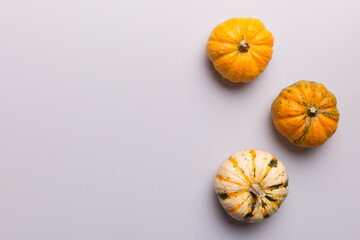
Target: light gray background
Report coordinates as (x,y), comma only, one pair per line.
(113,122)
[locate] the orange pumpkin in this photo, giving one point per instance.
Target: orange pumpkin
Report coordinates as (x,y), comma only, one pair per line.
(240,48)
(305,113)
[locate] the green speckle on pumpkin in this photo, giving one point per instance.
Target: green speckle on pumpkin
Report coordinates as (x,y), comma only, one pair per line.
(270,198)
(286,184)
(223,196)
(249,215)
(276,186)
(273,163)
(305,131)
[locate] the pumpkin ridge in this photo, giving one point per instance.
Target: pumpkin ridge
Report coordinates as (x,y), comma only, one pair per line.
(214,56)
(325,96)
(335,120)
(292,116)
(293,101)
(251,32)
(324,126)
(224,55)
(301,125)
(305,132)
(276,186)
(253,61)
(253,156)
(232,58)
(254,33)
(232,62)
(258,64)
(240,170)
(235,194)
(265,213)
(329,98)
(263,204)
(288,93)
(271,198)
(259,53)
(224,72)
(328,109)
(221,178)
(237,207)
(261,45)
(239,31)
(273,202)
(283,108)
(230,33)
(252,39)
(306,97)
(228,41)
(243,27)
(250,213)
(323,91)
(312,86)
(231,195)
(328,114)
(269,167)
(279,175)
(260,36)
(332,113)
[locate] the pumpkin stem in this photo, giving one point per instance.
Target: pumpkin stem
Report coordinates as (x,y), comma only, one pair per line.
(256,189)
(243,46)
(312,111)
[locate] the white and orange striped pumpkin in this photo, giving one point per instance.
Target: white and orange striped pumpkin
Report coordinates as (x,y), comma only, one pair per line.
(251,185)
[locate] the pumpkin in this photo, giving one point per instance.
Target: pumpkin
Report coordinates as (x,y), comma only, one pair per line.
(251,185)
(240,48)
(305,113)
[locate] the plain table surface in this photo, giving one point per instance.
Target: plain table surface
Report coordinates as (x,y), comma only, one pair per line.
(114,123)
